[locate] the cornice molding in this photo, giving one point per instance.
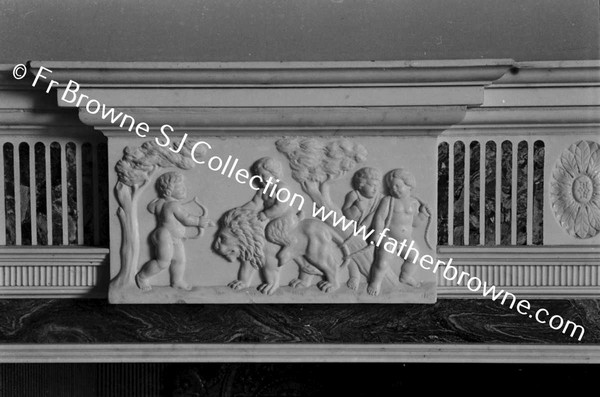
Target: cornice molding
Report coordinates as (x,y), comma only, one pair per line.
(32,118)
(272,96)
(303,94)
(502,72)
(521,120)
(301,352)
(316,96)
(551,73)
(241,119)
(277,74)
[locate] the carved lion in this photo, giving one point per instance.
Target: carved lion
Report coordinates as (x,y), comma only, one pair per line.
(314,246)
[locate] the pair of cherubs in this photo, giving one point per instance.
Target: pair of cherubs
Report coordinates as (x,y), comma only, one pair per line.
(398,212)
(167,239)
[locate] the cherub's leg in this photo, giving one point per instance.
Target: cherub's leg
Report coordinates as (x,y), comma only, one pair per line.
(270,270)
(378,270)
(354,279)
(409,269)
(178,267)
(163,246)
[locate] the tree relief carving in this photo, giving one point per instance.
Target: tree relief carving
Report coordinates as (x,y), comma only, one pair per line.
(134,170)
(316,164)
(575,189)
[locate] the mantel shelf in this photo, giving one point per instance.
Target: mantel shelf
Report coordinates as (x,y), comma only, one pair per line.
(415,95)
(277,74)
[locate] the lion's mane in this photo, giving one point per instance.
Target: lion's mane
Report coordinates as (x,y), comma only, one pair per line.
(245,226)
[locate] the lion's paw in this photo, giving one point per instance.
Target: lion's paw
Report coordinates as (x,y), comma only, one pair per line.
(297,283)
(326,286)
(237,285)
(268,288)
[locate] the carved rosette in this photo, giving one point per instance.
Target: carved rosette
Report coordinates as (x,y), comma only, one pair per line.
(575,189)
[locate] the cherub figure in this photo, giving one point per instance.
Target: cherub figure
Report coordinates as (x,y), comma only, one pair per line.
(399,212)
(360,205)
(279,215)
(167,239)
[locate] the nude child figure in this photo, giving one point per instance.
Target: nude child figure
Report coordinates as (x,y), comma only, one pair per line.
(167,239)
(360,205)
(400,213)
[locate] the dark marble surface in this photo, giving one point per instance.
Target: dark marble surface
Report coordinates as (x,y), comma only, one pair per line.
(448,321)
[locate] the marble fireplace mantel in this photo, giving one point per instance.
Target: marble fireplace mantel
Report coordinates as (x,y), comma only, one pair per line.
(370,103)
(446,101)
(395,109)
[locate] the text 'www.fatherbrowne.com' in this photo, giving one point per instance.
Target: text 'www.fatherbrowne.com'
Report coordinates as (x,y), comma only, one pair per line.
(449,272)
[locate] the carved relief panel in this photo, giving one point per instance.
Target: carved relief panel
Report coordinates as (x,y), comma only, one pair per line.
(266,219)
